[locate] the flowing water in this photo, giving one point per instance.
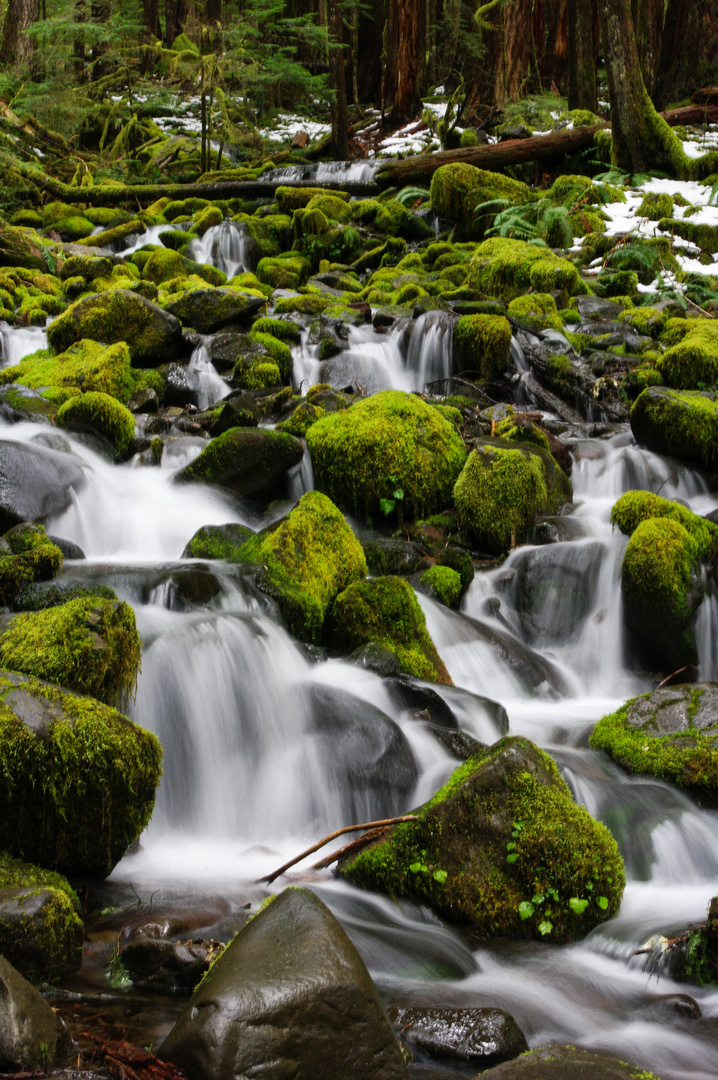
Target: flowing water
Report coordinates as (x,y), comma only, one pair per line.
(267,749)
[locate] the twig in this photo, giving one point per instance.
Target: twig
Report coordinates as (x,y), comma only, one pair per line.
(332,836)
(669,677)
(353,845)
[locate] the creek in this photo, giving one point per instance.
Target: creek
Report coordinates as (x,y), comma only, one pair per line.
(252,775)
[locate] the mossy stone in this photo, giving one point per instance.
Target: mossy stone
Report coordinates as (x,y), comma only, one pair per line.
(692,363)
(509,268)
(456,191)
(483,343)
(538,309)
(305,561)
(48,594)
(293,198)
(247,462)
(209,309)
(503,847)
(302,419)
(679,422)
(102,414)
(218,542)
(636,506)
(153,336)
(441,583)
(82,784)
(34,558)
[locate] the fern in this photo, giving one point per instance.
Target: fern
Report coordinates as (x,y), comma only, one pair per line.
(50,260)
(627,255)
(713,197)
(531,222)
(412,195)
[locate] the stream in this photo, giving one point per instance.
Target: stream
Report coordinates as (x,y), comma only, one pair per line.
(251,778)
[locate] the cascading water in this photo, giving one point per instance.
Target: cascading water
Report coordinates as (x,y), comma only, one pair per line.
(226,246)
(204,379)
(17,343)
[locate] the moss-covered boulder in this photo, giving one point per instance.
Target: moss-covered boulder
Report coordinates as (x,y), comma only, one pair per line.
(207,310)
(385,611)
(693,362)
(636,506)
(501,489)
(101,414)
(218,542)
(670,734)
(153,336)
(390,441)
(294,198)
(536,311)
(557,1062)
(41,931)
(503,847)
(456,191)
(90,645)
(679,422)
(509,268)
(246,462)
(305,561)
(28,555)
(77,779)
(87,365)
(441,583)
(483,343)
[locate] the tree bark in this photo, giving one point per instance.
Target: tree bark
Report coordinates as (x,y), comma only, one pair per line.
(648,24)
(581,66)
(340,122)
(554,66)
(17,48)
(151,11)
(689,54)
(411,36)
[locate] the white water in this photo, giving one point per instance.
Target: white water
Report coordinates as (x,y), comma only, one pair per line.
(17,343)
(225,246)
(206,380)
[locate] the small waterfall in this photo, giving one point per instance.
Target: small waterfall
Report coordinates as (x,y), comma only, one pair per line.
(517,355)
(325,172)
(430,354)
(18,342)
(150,236)
(225,246)
(206,381)
(301,477)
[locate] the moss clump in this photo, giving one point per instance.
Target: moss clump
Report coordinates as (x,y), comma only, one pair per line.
(278,352)
(644,320)
(683,423)
(524,431)
(291,198)
(393,219)
(87,365)
(118,315)
(655,206)
(89,645)
(45,595)
(385,610)
(311,304)
(164,265)
(218,542)
(501,489)
(483,343)
(256,374)
(675,329)
(636,506)
(47,947)
(456,191)
(668,734)
(33,558)
(305,561)
(302,419)
(78,786)
(332,206)
(282,329)
(501,846)
(539,309)
(288,272)
(101,413)
(692,363)
(443,583)
(509,268)
(389,441)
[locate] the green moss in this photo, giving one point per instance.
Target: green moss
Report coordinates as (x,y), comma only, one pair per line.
(483,343)
(89,645)
(522,431)
(444,582)
(291,198)
(164,265)
(101,413)
(283,273)
(357,452)
(702,235)
(278,351)
(302,419)
(456,191)
(636,506)
(393,219)
(656,571)
(282,329)
(305,561)
(46,950)
(385,610)
(75,797)
(644,320)
(111,236)
(684,423)
(256,374)
(509,268)
(655,206)
(34,558)
(205,219)
(693,362)
(331,206)
(221,542)
(539,309)
(674,330)
(454,857)
(114,316)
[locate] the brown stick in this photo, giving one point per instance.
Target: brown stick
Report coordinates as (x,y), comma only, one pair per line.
(353,845)
(669,677)
(332,836)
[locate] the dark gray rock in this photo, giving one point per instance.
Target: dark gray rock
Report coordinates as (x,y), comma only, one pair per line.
(169,967)
(18,402)
(69,548)
(35,483)
(32,1036)
(554,590)
(45,594)
(387,555)
(290,999)
(421,702)
(144,400)
(246,461)
(459,744)
(475,1036)
(238,410)
(181,384)
(593,308)
(564,1063)
(206,310)
(376,658)
(225,349)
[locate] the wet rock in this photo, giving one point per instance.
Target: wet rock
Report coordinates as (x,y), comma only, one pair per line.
(421,701)
(45,594)
(218,542)
(153,335)
(291,989)
(474,1036)
(682,423)
(669,1008)
(192,587)
(565,1063)
(157,425)
(386,555)
(459,744)
(225,349)
(18,402)
(168,967)
(69,548)
(238,410)
(554,590)
(40,930)
(35,483)
(181,386)
(144,400)
(376,658)
(32,1036)
(207,310)
(245,461)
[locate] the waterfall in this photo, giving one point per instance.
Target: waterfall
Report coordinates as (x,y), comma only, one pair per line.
(225,246)
(18,342)
(208,384)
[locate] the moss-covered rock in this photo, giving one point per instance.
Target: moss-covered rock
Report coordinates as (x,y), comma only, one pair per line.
(99,413)
(655,205)
(288,272)
(89,645)
(509,268)
(636,506)
(46,594)
(305,561)
(218,542)
(389,441)
(456,191)
(483,343)
(385,610)
(87,365)
(153,336)
(282,329)
(682,423)
(442,583)
(502,487)
(206,310)
(692,363)
(537,310)
(294,198)
(41,931)
(246,462)
(556,1062)
(302,419)
(33,558)
(82,783)
(670,734)
(501,846)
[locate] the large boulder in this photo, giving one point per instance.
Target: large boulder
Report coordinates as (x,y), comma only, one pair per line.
(501,489)
(40,927)
(27,555)
(509,268)
(456,191)
(304,561)
(385,611)
(671,734)
(679,422)
(77,779)
(87,365)
(248,462)
(692,362)
(206,310)
(218,542)
(290,997)
(566,1063)
(99,414)
(389,442)
(153,336)
(35,482)
(89,645)
(32,1036)
(503,847)
(482,344)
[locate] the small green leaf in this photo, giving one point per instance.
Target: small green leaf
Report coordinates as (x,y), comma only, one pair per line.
(415,867)
(440,876)
(538,898)
(545,927)
(399,493)
(577,905)
(602,902)
(387,505)
(526,909)
(510,847)
(512,857)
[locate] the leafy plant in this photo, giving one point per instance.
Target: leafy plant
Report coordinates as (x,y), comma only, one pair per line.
(413,195)
(117,973)
(388,505)
(422,868)
(537,223)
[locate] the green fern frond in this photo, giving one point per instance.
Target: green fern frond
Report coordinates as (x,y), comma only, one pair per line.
(412,195)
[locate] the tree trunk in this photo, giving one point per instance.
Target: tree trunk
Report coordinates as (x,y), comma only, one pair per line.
(648,24)
(554,66)
(581,66)
(340,122)
(689,54)
(175,18)
(641,140)
(17,48)
(151,11)
(411,31)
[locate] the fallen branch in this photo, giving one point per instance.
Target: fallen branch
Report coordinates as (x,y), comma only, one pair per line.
(332,836)
(353,845)
(125,1061)
(669,677)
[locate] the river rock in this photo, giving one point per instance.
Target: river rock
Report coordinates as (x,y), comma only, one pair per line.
(474,1036)
(671,734)
(35,483)
(45,594)
(168,967)
(154,336)
(218,542)
(290,998)
(555,589)
(473,852)
(246,462)
(19,402)
(206,310)
(144,400)
(679,422)
(32,1036)
(566,1063)
(421,702)
(69,548)
(376,658)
